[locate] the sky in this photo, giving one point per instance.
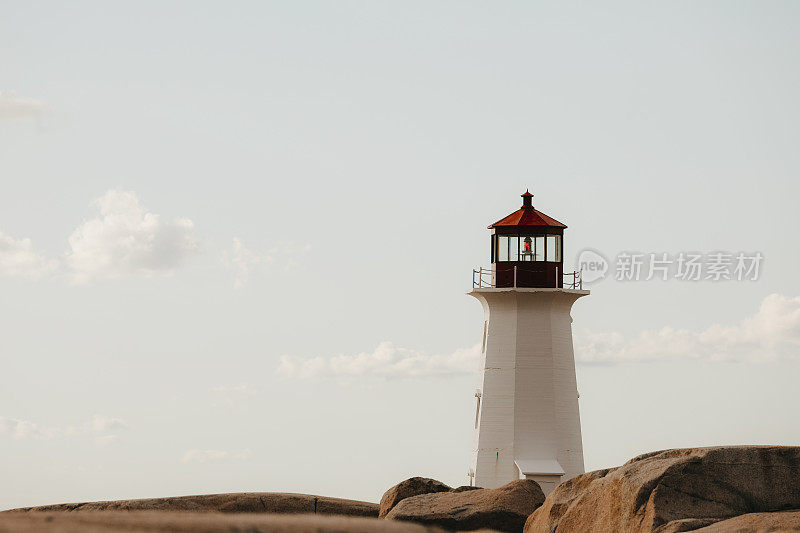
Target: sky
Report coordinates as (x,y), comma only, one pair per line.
(236,238)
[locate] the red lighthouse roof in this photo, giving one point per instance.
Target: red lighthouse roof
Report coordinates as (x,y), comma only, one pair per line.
(527,216)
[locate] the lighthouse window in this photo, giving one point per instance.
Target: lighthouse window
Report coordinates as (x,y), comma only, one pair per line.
(538,248)
(554,248)
(502,248)
(513,252)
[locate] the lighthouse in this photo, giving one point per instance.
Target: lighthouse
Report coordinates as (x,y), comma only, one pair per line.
(527,423)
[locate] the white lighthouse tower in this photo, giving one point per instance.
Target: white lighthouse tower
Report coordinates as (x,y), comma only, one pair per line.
(527,423)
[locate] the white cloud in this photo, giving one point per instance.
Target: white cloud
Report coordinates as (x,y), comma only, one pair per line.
(102,424)
(386,361)
(23,429)
(288,254)
(107,425)
(244,262)
(206,456)
(19,259)
(126,240)
(244,455)
(771,333)
(13,106)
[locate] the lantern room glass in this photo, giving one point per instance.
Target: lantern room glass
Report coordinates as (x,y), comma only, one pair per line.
(526,248)
(538,248)
(554,248)
(502,248)
(513,247)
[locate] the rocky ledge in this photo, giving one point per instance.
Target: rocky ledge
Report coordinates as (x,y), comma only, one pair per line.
(198,522)
(719,489)
(243,502)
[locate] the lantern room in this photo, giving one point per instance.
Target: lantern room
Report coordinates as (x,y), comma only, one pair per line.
(527,248)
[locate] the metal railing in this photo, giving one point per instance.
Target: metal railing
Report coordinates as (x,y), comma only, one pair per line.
(577,280)
(483,278)
(478,280)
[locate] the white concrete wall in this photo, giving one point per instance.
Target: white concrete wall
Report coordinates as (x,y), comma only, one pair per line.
(529,398)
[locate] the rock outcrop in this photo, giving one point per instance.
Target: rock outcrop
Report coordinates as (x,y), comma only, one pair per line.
(739,489)
(502,509)
(245,502)
(463,488)
(187,522)
(411,487)
(675,490)
(753,522)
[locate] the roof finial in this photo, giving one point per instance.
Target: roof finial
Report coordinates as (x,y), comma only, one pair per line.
(527,199)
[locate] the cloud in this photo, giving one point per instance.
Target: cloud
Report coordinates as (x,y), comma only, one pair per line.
(23,429)
(127,241)
(386,361)
(244,262)
(108,425)
(13,106)
(207,456)
(244,455)
(772,333)
(288,255)
(19,259)
(102,423)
